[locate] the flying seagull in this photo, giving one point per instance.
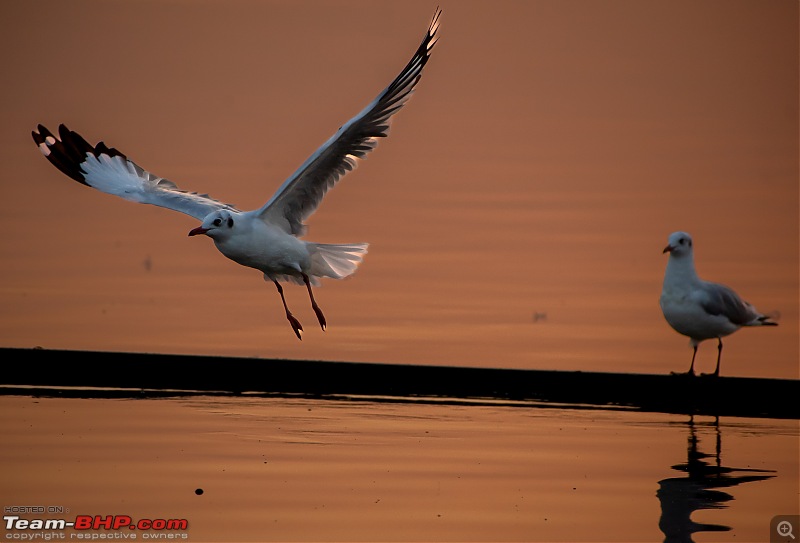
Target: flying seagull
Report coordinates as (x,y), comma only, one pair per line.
(700,309)
(268,238)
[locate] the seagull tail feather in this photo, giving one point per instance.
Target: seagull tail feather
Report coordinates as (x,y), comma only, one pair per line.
(336,260)
(769,319)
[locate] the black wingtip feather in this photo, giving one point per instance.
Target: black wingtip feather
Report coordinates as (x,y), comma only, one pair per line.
(56,154)
(68,151)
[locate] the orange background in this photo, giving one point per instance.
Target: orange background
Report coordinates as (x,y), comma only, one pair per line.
(548,152)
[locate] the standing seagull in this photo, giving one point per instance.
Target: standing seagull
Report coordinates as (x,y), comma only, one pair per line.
(266,238)
(700,309)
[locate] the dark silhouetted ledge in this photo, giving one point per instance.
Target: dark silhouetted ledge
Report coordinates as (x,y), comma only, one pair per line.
(110,374)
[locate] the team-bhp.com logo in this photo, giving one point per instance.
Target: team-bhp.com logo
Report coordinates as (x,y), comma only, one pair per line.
(94,527)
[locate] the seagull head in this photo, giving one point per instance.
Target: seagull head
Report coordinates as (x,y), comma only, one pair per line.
(216,224)
(679,244)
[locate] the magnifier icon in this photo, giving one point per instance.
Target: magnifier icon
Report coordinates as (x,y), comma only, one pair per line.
(785,528)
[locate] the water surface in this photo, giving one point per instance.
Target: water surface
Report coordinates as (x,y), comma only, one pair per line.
(282,469)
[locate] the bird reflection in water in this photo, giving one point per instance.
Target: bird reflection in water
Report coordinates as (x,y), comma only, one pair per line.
(705,474)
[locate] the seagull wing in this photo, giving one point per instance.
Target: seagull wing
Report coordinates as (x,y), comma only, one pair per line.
(108,170)
(303,191)
(722,300)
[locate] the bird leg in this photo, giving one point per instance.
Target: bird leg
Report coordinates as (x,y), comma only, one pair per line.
(314,306)
(690,373)
(719,355)
(296,326)
(691,368)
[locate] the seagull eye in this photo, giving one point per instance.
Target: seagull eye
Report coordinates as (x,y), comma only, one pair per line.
(217,221)
(230,222)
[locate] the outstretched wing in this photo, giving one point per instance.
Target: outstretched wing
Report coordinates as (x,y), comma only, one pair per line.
(108,170)
(303,191)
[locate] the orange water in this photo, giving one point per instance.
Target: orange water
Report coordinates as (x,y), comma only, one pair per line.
(314,470)
(549,151)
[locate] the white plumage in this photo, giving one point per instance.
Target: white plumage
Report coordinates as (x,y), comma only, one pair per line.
(701,309)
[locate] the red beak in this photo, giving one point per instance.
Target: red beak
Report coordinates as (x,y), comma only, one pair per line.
(197,231)
(667,249)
